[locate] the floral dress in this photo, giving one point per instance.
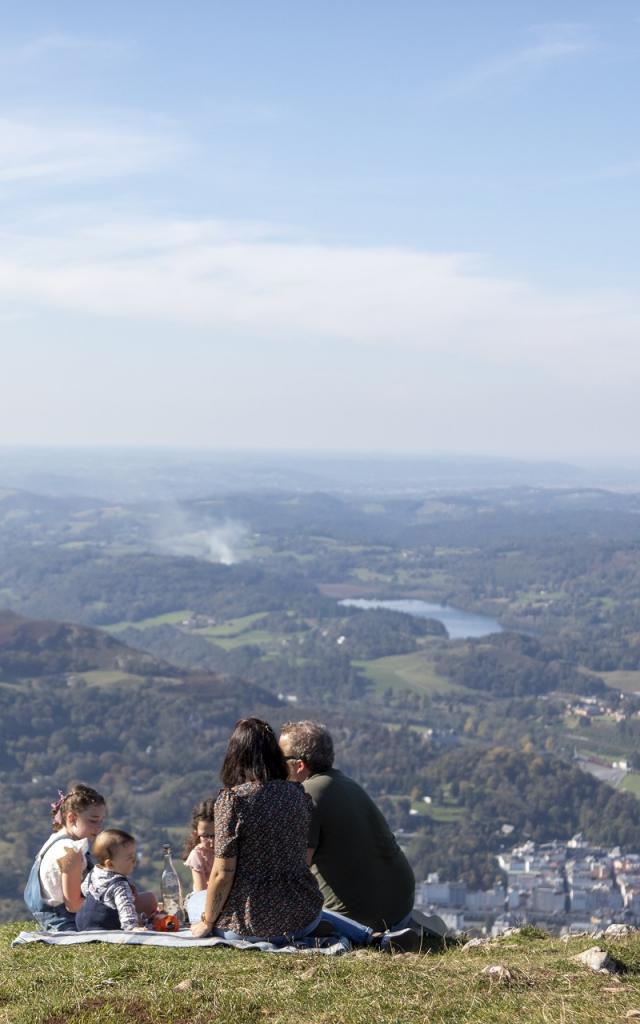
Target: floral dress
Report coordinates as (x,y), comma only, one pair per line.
(266,825)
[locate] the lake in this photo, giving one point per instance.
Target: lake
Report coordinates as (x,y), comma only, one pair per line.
(459,624)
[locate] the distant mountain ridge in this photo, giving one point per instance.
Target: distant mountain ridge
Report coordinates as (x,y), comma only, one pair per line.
(150,474)
(37,647)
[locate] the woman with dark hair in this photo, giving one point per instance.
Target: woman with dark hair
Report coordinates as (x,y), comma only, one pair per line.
(260,887)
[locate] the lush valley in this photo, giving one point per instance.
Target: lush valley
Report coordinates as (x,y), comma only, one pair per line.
(126,654)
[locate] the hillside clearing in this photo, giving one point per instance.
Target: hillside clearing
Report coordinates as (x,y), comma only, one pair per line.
(406,672)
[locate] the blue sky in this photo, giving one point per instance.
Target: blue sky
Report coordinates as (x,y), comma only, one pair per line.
(355,225)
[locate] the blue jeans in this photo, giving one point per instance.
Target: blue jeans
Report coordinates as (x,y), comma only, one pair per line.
(355,931)
(346,926)
(341,925)
(56,919)
(276,940)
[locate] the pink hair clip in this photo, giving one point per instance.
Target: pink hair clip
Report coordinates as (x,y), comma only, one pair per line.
(56,808)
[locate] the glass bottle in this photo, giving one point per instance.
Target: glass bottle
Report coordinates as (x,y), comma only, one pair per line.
(170,887)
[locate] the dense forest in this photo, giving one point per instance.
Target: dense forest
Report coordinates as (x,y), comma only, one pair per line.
(513,665)
(538,796)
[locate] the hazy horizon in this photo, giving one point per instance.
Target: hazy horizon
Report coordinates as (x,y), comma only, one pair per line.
(582,460)
(175,475)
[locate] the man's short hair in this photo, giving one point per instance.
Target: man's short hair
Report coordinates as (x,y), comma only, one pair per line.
(108,842)
(311,742)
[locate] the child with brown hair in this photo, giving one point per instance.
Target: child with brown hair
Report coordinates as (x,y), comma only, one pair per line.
(199,852)
(53,891)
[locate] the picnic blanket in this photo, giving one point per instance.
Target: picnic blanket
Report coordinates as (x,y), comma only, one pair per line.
(331,946)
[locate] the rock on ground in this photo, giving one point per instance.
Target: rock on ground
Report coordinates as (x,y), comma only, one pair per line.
(598,960)
(475,944)
(618,930)
(497,973)
(186,985)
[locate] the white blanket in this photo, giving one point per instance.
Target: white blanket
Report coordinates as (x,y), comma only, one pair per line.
(179,940)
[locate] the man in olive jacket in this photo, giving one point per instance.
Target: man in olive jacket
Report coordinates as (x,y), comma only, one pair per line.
(361,870)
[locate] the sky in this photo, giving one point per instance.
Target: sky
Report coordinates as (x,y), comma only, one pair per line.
(352,225)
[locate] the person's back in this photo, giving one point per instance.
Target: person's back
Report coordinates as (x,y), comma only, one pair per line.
(361,870)
(265,826)
(260,886)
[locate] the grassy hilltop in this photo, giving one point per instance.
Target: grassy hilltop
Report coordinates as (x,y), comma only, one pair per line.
(96,984)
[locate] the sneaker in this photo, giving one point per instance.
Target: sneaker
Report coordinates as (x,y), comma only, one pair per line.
(405,940)
(429,923)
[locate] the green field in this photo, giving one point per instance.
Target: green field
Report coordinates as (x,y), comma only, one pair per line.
(631,783)
(109,677)
(406,672)
(169,618)
(104,678)
(231,627)
(602,738)
(259,637)
(371,576)
(238,632)
(626,682)
(229,634)
(418,578)
(446,812)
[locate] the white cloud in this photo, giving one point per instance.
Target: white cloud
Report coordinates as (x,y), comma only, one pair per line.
(244,279)
(60,43)
(555,43)
(208,333)
(60,152)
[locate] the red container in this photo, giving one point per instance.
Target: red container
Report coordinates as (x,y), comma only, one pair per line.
(165,923)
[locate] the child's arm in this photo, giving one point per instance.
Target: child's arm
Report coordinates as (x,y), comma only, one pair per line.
(199,879)
(71,865)
(124,901)
(199,863)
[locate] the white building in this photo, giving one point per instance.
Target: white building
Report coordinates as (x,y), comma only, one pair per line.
(547,900)
(490,901)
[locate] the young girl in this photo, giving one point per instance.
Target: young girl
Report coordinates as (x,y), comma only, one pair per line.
(198,852)
(53,891)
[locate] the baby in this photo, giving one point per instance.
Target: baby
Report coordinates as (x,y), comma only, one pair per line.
(109,897)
